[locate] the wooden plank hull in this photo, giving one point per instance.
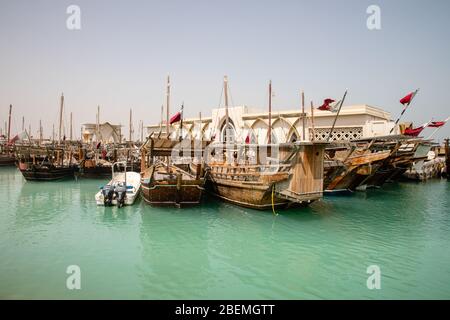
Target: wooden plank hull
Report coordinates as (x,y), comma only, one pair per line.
(359,170)
(6,160)
(171,195)
(177,188)
(248,195)
(48,174)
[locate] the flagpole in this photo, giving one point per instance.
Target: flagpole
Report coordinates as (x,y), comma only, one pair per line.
(437,129)
(403,111)
(337,115)
(270,113)
(181,121)
(227,120)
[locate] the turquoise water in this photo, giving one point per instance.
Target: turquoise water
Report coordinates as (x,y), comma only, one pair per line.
(219,251)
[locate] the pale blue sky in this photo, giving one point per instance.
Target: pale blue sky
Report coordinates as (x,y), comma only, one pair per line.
(125,49)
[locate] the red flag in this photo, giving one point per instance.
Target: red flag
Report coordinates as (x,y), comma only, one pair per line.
(413,132)
(326,104)
(436,124)
(175,118)
(408,98)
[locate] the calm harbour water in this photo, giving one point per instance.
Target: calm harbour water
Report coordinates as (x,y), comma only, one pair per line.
(219,251)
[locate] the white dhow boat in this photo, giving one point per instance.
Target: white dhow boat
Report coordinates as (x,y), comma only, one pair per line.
(123,188)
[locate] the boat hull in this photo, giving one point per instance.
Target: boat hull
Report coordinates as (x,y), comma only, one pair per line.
(187,194)
(48,174)
(7,161)
(251,196)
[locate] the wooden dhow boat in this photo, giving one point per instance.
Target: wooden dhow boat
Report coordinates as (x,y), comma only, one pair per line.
(7,156)
(294,178)
(357,163)
(164,183)
(47,164)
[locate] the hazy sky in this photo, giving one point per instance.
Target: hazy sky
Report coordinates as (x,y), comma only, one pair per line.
(125,49)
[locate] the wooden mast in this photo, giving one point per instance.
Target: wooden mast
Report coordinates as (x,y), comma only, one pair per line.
(60,117)
(303,116)
(9,122)
(167,118)
(225,92)
(312,138)
(131,125)
(167,106)
(270,113)
(71,127)
(337,115)
(97,129)
(23,123)
(201,128)
(40,131)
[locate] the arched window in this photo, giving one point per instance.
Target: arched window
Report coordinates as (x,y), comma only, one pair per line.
(293,138)
(228,134)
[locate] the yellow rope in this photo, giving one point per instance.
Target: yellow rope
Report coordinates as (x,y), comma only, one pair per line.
(273,204)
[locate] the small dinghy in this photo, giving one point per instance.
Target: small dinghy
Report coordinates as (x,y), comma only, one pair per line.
(122,190)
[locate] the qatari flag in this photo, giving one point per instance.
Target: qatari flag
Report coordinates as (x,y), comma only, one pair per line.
(408,98)
(326,104)
(413,132)
(436,124)
(175,118)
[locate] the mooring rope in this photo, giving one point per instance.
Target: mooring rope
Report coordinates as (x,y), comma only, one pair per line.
(273,204)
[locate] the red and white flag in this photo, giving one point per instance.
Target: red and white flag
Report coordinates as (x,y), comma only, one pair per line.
(406,100)
(437,124)
(175,118)
(330,105)
(414,132)
(18,137)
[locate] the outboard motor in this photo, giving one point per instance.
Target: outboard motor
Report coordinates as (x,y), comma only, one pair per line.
(108,193)
(121,191)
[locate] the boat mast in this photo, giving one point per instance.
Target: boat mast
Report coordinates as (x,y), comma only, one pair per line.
(303,115)
(71,126)
(23,123)
(270,112)
(97,129)
(9,122)
(225,92)
(60,117)
(201,131)
(161,122)
(40,132)
(167,118)
(130,124)
(312,138)
(167,106)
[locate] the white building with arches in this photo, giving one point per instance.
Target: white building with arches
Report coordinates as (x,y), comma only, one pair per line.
(252,124)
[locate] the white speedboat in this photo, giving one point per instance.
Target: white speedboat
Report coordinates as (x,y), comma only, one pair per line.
(123,188)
